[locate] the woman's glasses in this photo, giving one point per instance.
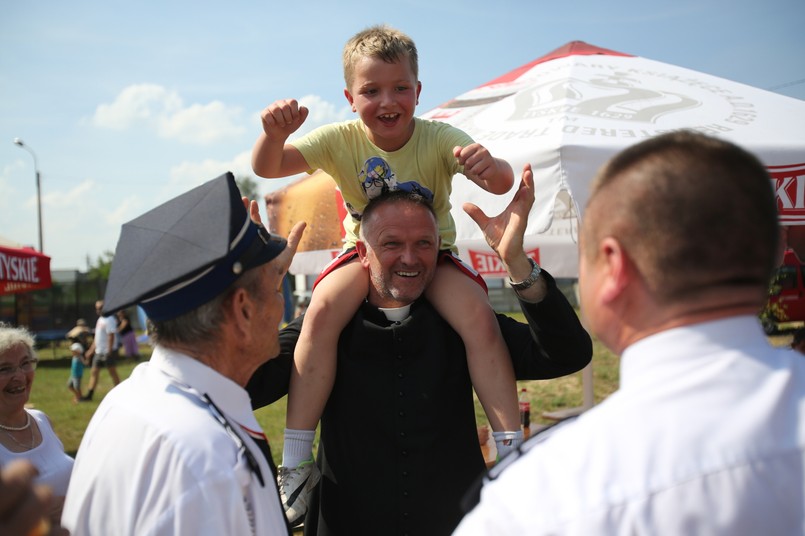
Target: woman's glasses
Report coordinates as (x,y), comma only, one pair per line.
(28,365)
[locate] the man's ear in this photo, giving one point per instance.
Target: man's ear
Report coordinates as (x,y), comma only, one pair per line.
(418,90)
(241,308)
(351,101)
(618,269)
(361,249)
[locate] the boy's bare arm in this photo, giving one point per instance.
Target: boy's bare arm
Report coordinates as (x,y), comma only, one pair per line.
(271,156)
(494,175)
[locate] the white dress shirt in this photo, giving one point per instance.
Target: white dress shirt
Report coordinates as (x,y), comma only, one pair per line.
(155,461)
(705,436)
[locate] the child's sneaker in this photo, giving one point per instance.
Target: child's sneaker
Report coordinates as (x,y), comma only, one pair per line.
(296,485)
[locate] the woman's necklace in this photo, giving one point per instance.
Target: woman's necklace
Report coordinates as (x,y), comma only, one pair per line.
(18,428)
(20,443)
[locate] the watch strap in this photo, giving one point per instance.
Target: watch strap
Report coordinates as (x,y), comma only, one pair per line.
(530,280)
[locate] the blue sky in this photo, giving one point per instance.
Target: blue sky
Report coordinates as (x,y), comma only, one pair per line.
(127,104)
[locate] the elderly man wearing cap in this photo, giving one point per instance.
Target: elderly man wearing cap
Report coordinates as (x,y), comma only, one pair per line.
(175,449)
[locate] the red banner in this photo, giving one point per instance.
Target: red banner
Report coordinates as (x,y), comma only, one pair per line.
(789,185)
(22,270)
(489,264)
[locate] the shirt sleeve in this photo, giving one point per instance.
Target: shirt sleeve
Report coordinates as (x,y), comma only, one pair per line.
(270,381)
(553,343)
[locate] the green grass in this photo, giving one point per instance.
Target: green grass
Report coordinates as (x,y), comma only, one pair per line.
(50,394)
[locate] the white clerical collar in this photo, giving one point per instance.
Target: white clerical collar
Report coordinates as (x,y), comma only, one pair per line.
(396,314)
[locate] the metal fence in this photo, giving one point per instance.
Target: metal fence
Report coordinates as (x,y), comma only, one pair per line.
(55,310)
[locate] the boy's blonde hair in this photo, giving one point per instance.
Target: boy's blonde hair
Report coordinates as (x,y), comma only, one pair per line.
(382,42)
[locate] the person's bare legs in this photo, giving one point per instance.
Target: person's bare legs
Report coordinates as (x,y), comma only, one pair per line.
(113,373)
(94,373)
(334,302)
(465,306)
(94,376)
(77,396)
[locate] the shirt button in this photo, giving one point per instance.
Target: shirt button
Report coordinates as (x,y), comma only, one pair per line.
(401,394)
(402,434)
(404,452)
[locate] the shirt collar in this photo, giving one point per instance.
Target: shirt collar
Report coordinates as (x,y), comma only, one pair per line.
(230,397)
(687,344)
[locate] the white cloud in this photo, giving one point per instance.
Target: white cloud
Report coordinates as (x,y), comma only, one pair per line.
(201,124)
(321,113)
(188,175)
(75,197)
(140,102)
(124,210)
(76,222)
(164,111)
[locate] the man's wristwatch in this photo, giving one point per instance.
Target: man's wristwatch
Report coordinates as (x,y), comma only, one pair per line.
(530,280)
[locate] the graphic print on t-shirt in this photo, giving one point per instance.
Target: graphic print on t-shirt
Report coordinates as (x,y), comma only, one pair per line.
(377,178)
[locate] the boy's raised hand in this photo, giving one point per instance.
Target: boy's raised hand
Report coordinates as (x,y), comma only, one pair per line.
(490,173)
(282,118)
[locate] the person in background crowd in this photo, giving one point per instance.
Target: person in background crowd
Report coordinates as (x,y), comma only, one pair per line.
(102,352)
(706,434)
(80,334)
(127,335)
(27,434)
(76,371)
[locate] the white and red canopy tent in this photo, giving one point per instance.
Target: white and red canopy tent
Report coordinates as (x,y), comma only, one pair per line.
(22,268)
(566,113)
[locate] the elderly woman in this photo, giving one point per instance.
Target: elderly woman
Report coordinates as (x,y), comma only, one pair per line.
(28,434)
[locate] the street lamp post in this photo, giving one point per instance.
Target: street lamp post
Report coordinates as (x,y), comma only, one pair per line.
(19,142)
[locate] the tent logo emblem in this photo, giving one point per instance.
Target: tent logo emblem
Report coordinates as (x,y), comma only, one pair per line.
(615,96)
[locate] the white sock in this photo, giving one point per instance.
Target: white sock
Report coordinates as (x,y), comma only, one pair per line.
(507,442)
(297,447)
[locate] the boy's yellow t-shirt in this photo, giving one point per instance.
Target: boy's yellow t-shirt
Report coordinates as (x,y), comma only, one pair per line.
(362,171)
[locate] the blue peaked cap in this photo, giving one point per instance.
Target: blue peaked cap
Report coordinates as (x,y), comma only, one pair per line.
(187,251)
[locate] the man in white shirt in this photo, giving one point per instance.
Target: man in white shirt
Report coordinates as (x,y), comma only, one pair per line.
(706,434)
(175,449)
(102,351)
